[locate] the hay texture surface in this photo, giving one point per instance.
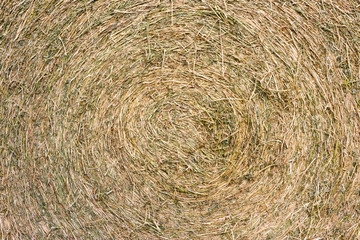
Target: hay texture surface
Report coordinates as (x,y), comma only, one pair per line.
(179,119)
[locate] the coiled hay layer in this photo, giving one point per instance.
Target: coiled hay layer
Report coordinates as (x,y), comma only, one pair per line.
(179,119)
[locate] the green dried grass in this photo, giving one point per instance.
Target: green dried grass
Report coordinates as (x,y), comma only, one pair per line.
(179,120)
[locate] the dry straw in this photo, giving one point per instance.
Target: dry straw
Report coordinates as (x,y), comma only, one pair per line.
(179,119)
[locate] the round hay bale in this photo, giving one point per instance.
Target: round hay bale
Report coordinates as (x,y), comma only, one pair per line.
(179,119)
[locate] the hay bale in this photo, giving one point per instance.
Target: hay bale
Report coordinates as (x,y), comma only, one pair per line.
(179,120)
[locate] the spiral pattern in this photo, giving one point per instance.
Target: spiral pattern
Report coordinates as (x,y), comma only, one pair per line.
(184,129)
(210,119)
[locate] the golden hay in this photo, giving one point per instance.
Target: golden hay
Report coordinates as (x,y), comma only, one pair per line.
(179,119)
